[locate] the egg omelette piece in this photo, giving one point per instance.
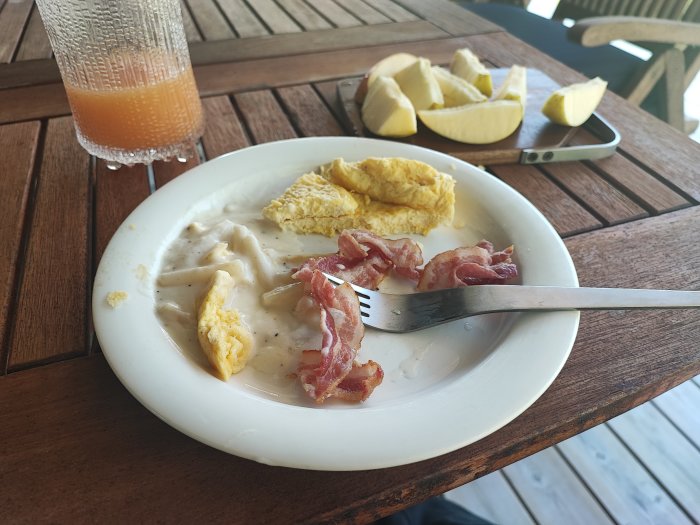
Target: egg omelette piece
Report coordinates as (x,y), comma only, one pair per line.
(384,195)
(397,181)
(311,196)
(223,336)
(387,219)
(378,217)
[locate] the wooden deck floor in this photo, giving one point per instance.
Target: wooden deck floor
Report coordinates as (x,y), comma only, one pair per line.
(641,467)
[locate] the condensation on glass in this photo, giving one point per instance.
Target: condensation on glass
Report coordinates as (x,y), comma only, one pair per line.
(127,73)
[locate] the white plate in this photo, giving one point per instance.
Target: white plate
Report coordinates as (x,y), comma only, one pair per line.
(444,388)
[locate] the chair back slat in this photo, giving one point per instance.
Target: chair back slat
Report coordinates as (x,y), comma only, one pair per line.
(673,10)
(670,9)
(692,12)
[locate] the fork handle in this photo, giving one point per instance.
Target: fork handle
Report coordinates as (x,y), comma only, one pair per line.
(505,298)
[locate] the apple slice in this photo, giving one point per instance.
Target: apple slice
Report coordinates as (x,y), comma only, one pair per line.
(387,67)
(419,85)
(386,111)
(466,65)
(514,86)
(455,90)
(482,123)
(391,65)
(574,104)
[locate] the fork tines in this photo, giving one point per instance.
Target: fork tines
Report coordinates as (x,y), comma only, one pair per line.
(362,293)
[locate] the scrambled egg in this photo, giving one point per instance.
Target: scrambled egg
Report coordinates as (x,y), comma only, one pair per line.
(386,196)
(225,340)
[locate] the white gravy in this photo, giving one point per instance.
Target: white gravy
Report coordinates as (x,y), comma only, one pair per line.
(259,257)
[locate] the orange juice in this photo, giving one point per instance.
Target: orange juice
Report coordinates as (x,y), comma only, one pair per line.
(137,117)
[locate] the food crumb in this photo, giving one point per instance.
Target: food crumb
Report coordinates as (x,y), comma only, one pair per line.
(116,298)
(141,272)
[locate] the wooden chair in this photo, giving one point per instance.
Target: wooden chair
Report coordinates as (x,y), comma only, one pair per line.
(669,29)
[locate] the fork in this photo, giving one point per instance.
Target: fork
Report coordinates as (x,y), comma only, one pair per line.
(416,311)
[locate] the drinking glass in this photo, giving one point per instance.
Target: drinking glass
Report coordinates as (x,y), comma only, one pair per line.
(127,73)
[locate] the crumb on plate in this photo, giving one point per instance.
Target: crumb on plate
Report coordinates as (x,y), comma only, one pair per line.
(116,298)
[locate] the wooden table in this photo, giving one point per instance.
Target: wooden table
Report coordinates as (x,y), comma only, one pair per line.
(77,447)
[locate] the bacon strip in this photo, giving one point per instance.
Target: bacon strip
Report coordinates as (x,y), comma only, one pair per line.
(404,254)
(357,386)
(364,259)
(367,272)
(342,332)
(468,266)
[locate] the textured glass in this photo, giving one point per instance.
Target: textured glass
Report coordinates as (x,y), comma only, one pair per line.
(127,72)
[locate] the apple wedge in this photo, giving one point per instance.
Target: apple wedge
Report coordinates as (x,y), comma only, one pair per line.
(574,104)
(419,85)
(482,123)
(466,65)
(386,111)
(387,67)
(514,86)
(455,90)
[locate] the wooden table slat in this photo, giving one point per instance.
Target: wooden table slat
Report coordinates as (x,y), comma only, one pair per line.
(191,31)
(336,14)
(210,21)
(164,172)
(599,195)
(308,113)
(15,181)
(392,10)
(117,193)
(644,187)
(13,17)
(364,12)
(274,16)
(329,93)
(449,16)
(304,15)
(566,215)
(54,286)
(677,166)
(313,42)
(29,73)
(30,103)
(223,132)
(35,42)
(242,18)
(264,117)
(216,79)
